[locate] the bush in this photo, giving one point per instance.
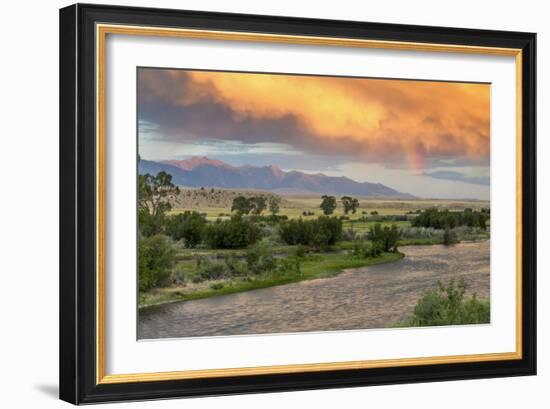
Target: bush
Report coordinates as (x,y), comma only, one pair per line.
(187,226)
(321,232)
(269,219)
(150,225)
(231,234)
(421,233)
(449,237)
(259,259)
(350,235)
(291,265)
(234,266)
(156,258)
(299,251)
(385,237)
(446,306)
(366,250)
(209,270)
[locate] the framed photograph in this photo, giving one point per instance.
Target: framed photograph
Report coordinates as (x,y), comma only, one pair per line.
(257,203)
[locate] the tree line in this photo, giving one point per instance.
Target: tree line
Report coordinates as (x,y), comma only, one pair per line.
(446,219)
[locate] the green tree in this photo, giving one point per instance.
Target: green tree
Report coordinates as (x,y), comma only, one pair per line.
(187,226)
(150,225)
(156,258)
(441,219)
(324,231)
(241,205)
(231,234)
(258,204)
(154,195)
(328,204)
(350,204)
(155,192)
(273,204)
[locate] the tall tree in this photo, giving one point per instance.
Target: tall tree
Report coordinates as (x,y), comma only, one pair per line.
(273,204)
(241,205)
(258,204)
(350,204)
(155,193)
(328,204)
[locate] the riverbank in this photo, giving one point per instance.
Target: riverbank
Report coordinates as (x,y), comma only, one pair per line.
(312,266)
(377,296)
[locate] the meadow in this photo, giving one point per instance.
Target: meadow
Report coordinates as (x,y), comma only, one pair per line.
(202,269)
(217,203)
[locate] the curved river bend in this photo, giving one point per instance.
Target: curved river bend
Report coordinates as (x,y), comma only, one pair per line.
(369,297)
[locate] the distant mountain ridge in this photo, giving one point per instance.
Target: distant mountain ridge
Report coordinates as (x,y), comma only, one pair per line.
(205,172)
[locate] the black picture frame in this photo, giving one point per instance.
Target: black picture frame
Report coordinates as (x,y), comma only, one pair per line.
(78,360)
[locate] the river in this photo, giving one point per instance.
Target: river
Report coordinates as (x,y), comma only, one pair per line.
(369,297)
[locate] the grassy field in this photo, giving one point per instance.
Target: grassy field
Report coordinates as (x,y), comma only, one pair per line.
(314,263)
(218,204)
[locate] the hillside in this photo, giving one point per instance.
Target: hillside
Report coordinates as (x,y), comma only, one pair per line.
(214,198)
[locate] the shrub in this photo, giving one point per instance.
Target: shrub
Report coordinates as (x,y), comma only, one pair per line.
(299,251)
(321,232)
(156,258)
(234,266)
(231,234)
(187,226)
(291,265)
(446,305)
(386,237)
(449,237)
(149,224)
(259,259)
(366,250)
(421,233)
(209,270)
(269,219)
(349,235)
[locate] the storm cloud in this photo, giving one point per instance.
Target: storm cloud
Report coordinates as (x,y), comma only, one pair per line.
(409,124)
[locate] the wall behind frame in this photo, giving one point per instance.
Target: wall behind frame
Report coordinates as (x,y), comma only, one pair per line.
(29,205)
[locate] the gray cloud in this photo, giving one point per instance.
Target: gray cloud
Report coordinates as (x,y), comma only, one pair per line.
(459,177)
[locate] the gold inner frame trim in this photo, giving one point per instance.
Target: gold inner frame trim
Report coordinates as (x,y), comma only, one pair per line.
(102,30)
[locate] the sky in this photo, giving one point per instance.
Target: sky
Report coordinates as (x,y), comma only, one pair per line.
(427,138)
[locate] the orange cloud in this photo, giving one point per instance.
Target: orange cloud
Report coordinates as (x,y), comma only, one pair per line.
(416,118)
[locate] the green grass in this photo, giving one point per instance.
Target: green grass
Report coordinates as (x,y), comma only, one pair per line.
(323,265)
(420,242)
(363,227)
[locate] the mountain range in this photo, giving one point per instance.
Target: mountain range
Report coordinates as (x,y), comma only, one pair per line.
(205,172)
